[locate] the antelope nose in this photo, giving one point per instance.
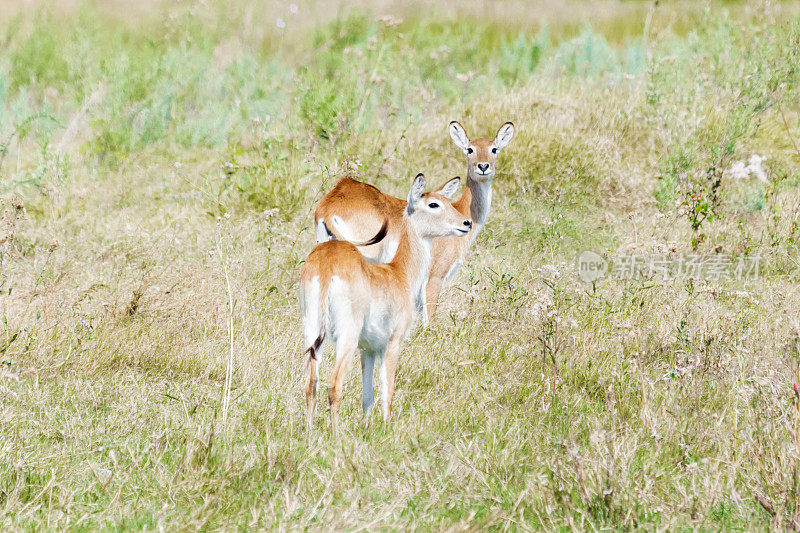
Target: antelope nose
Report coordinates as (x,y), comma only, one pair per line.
(468,223)
(483,167)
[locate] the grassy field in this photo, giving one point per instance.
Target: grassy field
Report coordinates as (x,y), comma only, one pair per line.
(159,167)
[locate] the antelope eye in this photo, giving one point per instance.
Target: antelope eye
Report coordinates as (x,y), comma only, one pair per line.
(470,150)
(433,205)
(494,150)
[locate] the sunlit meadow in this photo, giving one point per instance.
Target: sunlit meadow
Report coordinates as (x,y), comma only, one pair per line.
(159,167)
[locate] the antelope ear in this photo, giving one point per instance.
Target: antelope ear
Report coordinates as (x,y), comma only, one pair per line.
(504,135)
(414,195)
(449,189)
(458,135)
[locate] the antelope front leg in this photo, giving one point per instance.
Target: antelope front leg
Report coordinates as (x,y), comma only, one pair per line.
(432,291)
(388,370)
(367,372)
(421,306)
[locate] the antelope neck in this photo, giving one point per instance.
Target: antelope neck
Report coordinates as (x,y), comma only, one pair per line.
(412,260)
(481,200)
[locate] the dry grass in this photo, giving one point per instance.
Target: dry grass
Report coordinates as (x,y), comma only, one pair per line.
(534,401)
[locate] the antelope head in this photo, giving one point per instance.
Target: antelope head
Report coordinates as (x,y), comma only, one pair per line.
(481,153)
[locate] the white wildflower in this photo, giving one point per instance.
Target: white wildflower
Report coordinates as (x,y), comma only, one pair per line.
(464,77)
(549,273)
(539,305)
(372,43)
(390,21)
(597,438)
(738,170)
(755,164)
(754,167)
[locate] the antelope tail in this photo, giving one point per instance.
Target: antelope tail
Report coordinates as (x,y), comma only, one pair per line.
(312,350)
(313,305)
(323,233)
(338,225)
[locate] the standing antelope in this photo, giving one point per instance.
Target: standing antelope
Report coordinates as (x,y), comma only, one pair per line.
(363,305)
(364,211)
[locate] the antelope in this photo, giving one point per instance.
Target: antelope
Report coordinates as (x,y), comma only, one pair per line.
(364,211)
(363,305)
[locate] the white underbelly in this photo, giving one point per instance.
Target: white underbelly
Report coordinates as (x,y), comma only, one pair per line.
(376,330)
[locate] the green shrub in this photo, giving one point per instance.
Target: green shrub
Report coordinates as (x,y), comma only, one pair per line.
(520,57)
(39,59)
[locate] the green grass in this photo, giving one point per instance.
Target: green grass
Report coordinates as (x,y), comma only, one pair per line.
(138,157)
